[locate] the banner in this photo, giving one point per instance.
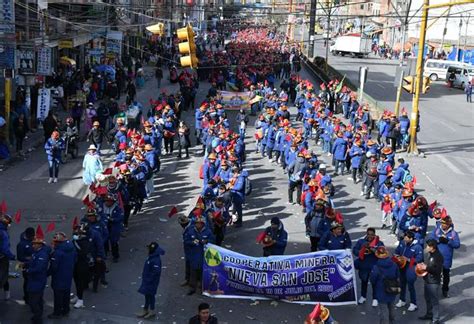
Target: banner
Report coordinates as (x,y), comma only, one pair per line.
(44,100)
(327,277)
(235,100)
(43,64)
(26,60)
(114,44)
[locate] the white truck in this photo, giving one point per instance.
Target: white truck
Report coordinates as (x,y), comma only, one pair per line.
(352,44)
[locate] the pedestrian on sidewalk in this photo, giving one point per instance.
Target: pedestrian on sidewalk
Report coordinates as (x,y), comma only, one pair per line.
(20,128)
(468,91)
(158,76)
(50,124)
(151,279)
(54,147)
(96,136)
(183,139)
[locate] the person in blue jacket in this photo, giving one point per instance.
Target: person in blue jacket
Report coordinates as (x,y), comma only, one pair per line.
(270,140)
(364,252)
(414,221)
(339,151)
(5,253)
(412,251)
(400,209)
(448,240)
(24,251)
(210,168)
(399,177)
(336,239)
(404,129)
(237,191)
(112,214)
(356,154)
(277,238)
(151,279)
(194,240)
(53,147)
(384,269)
(63,259)
(37,272)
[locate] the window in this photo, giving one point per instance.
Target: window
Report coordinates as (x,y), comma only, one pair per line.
(361,7)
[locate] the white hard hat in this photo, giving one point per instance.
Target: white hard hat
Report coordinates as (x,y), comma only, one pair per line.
(322,166)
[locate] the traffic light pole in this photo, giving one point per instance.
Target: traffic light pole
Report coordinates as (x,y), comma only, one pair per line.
(412,148)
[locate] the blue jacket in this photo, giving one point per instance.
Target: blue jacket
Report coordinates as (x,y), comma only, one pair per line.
(62,264)
(404,124)
(151,273)
(209,170)
(324,226)
(97,244)
(366,264)
(114,216)
(24,249)
(413,251)
(446,249)
(384,268)
(5,243)
(270,138)
(238,190)
(281,238)
(356,153)
(400,209)
(194,242)
(53,148)
(339,149)
(382,169)
(331,242)
(37,270)
(419,221)
(399,174)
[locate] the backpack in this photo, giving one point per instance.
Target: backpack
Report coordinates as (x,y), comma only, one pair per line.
(391,286)
(407,177)
(248,186)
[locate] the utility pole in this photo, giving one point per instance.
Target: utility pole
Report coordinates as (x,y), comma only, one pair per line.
(465,34)
(402,54)
(312,24)
(326,41)
(458,54)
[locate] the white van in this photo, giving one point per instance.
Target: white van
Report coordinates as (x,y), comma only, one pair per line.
(437,69)
(463,74)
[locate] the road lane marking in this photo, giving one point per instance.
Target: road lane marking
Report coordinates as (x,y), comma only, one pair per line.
(36,174)
(450,165)
(447,125)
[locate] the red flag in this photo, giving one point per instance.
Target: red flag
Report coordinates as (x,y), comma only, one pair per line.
(412,262)
(92,187)
(316,312)
(414,181)
(339,219)
(39,233)
(101,190)
(51,227)
(75,223)
(444,213)
(3,207)
(261,237)
(216,214)
(17,217)
(433,205)
(86,201)
(117,164)
(173,211)
(200,203)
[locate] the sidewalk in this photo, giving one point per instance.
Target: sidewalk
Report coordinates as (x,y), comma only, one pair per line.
(34,140)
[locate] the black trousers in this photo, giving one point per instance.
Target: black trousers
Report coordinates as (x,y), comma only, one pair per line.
(81,280)
(314,243)
(291,187)
(25,283)
(169,144)
(126,214)
(194,277)
(61,301)
(446,279)
(36,306)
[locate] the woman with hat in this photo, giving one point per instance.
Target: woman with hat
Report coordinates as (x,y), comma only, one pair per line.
(385,271)
(183,139)
(53,147)
(92,165)
(151,279)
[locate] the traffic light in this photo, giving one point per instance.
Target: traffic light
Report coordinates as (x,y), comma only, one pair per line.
(157,29)
(188,47)
(426,85)
(409,84)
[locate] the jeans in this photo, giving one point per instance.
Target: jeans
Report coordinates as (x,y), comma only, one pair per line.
(339,164)
(403,286)
(61,301)
(53,168)
(469,97)
(149,302)
(432,300)
(36,306)
(386,313)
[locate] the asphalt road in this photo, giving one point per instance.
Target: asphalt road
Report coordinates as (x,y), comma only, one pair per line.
(25,186)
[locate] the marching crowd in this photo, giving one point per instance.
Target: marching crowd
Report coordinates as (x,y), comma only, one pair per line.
(331,118)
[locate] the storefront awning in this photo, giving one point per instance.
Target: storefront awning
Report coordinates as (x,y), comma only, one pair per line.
(67,61)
